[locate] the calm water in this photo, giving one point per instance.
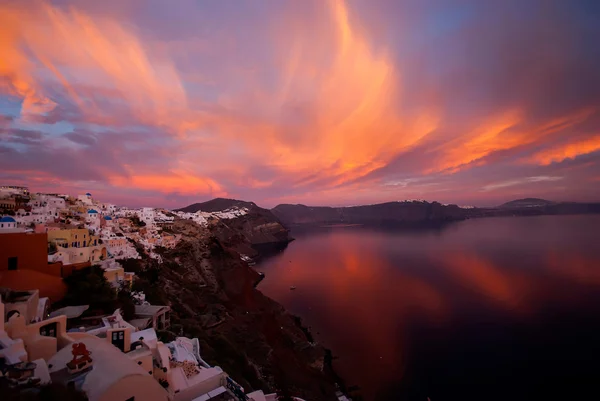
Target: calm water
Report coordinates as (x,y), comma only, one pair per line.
(486,309)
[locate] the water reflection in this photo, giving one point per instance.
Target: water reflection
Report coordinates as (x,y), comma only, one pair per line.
(507,289)
(384,300)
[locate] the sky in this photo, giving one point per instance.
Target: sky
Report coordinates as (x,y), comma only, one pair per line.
(320,102)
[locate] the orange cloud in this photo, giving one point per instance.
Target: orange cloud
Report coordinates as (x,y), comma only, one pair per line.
(353,125)
(567,151)
(498,133)
(170,182)
(335,107)
(492,136)
(99,52)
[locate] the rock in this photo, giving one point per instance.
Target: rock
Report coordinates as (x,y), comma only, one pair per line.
(212,295)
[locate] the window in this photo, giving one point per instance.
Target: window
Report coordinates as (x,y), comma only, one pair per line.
(130,399)
(49,330)
(2,225)
(118,339)
(75,236)
(13,263)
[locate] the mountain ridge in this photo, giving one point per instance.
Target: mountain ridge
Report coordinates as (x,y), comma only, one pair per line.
(411,212)
(217,205)
(526,202)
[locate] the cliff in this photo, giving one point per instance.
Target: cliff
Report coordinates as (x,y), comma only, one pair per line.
(213,297)
(418,213)
(526,202)
(390,213)
(217,205)
(258,230)
(535,207)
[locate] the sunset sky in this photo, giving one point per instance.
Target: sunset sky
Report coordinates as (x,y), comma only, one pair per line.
(322,102)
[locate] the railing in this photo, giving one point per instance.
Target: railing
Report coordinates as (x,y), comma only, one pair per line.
(236,389)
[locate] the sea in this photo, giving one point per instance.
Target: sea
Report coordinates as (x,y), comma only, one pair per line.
(503,308)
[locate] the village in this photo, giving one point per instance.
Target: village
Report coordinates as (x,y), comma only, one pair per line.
(48,239)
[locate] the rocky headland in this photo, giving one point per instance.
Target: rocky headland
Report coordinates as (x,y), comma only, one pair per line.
(210,287)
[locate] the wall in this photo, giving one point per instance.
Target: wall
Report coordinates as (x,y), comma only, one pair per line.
(93,254)
(67,270)
(74,235)
(138,386)
(39,346)
(50,286)
(211,383)
(114,275)
(31,251)
(26,308)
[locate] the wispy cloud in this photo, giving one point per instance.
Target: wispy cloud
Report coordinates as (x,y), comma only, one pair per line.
(322,101)
(521,181)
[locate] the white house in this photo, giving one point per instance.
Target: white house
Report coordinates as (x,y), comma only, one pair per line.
(108,221)
(85,199)
(114,376)
(13,190)
(56,202)
(107,208)
(92,216)
(43,351)
(147,215)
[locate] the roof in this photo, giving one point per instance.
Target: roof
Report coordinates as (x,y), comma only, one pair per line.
(148,336)
(110,366)
(92,211)
(149,310)
(49,286)
(7,219)
(140,324)
(70,311)
(107,218)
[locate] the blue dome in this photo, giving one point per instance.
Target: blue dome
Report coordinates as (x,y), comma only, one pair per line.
(88,194)
(7,219)
(107,218)
(92,211)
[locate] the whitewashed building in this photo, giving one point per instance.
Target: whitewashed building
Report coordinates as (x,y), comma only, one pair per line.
(9,225)
(85,199)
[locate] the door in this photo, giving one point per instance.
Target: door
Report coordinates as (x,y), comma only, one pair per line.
(13,262)
(118,340)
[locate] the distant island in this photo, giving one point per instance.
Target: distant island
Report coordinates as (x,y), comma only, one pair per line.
(405,213)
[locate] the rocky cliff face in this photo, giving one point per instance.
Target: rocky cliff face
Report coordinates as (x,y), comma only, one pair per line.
(259,228)
(217,205)
(391,213)
(213,297)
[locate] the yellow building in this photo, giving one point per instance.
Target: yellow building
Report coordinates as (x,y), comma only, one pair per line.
(73,238)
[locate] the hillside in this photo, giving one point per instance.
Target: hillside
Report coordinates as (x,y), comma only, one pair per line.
(536,207)
(527,202)
(217,205)
(390,213)
(212,294)
(258,229)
